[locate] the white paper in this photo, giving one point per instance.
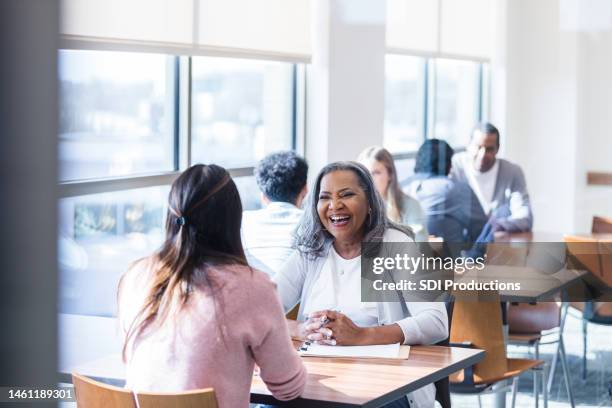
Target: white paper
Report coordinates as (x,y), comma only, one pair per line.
(377,351)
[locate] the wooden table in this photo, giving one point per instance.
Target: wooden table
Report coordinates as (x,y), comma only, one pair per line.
(535,236)
(545,236)
(535,286)
(335,382)
(350,382)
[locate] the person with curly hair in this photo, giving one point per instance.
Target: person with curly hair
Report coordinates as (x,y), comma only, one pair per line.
(267,233)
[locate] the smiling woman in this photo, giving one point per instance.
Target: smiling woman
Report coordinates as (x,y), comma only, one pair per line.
(343,209)
(324,274)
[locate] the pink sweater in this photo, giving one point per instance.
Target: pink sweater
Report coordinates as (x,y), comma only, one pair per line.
(189,352)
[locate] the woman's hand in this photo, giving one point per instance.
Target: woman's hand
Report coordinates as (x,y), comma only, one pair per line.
(335,328)
(312,329)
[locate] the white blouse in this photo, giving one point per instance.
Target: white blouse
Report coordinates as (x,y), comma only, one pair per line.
(338,288)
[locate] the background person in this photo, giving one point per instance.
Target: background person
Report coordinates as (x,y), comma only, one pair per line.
(194,314)
(324,273)
(499,184)
(453,211)
(401,208)
(267,233)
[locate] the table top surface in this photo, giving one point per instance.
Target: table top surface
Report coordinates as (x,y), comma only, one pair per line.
(547,236)
(535,286)
(372,382)
(337,382)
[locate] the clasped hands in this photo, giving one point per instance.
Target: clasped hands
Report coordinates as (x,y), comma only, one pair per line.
(331,328)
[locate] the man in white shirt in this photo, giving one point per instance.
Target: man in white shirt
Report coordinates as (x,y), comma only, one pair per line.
(499,184)
(267,234)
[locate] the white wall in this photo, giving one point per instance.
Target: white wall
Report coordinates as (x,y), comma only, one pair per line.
(557,111)
(594,133)
(539,108)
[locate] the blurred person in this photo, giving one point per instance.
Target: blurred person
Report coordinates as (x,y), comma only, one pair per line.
(194,314)
(267,233)
(324,273)
(401,208)
(499,184)
(453,211)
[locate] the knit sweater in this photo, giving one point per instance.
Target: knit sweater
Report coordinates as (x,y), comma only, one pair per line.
(232,320)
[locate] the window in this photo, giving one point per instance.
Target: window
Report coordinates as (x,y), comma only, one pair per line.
(457,100)
(116,114)
(100,236)
(432,97)
(404,102)
(124,137)
(241,110)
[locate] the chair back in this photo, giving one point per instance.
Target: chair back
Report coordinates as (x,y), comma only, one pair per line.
(480,323)
(585,251)
(605,257)
(293,313)
(526,318)
(204,398)
(602,225)
(94,394)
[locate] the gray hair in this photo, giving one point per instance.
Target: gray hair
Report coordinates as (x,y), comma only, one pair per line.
(312,240)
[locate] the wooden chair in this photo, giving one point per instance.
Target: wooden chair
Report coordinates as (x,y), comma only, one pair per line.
(595,256)
(94,394)
(537,324)
(602,225)
(479,324)
(293,313)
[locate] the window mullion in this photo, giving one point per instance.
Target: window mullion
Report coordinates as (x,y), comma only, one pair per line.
(184,114)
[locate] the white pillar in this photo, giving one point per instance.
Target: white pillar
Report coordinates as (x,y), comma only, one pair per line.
(346,80)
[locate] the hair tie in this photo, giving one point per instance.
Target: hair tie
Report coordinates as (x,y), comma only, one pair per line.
(180,221)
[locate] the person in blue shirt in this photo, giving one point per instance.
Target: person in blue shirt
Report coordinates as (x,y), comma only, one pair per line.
(453,211)
(267,234)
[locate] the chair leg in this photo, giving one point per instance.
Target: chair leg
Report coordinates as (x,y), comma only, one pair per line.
(566,373)
(536,375)
(479,402)
(553,365)
(514,389)
(584,348)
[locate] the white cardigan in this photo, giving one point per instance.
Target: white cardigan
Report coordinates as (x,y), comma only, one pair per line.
(421,322)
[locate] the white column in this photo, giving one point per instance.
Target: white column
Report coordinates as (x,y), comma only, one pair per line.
(346,80)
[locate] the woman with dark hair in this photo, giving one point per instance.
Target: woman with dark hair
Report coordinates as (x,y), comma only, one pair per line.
(453,211)
(401,208)
(324,273)
(194,314)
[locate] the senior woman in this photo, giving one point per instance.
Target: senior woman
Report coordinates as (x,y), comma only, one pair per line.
(323,274)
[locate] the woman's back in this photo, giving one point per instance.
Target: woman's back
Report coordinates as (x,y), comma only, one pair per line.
(232,320)
(451,207)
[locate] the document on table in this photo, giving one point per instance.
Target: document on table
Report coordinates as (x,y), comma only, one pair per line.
(308,349)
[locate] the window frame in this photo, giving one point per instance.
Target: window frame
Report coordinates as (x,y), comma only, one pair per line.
(429,100)
(182,134)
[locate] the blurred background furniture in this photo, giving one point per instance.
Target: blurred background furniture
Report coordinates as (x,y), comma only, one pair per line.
(594,253)
(479,324)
